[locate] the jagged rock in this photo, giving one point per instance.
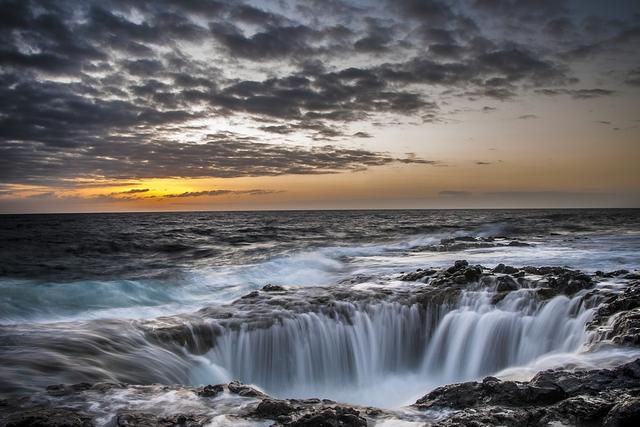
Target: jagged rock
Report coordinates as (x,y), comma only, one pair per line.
(578,410)
(625,329)
(506,269)
(472,274)
(272,409)
(210,390)
(624,414)
(252,294)
(628,299)
(244,390)
(542,271)
(611,273)
(417,275)
(142,419)
(457,266)
(136,419)
(506,284)
(554,397)
(570,282)
(50,417)
(339,416)
(272,288)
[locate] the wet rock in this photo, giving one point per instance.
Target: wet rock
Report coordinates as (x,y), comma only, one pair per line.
(457,266)
(569,283)
(576,411)
(240,389)
(272,288)
(515,243)
(506,284)
(625,329)
(272,409)
(339,416)
(251,295)
(624,414)
(417,275)
(615,273)
(506,269)
(137,419)
(628,299)
(542,271)
(472,274)
(210,390)
(142,419)
(554,397)
(491,392)
(49,417)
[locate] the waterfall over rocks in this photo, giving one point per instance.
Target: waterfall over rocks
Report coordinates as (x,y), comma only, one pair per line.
(350,350)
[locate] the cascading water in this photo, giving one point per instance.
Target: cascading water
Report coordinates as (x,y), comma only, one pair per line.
(386,354)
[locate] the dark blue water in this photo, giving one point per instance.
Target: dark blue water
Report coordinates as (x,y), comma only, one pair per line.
(71,266)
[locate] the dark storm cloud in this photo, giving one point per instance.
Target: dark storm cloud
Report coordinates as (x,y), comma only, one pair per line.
(522,10)
(222,155)
(434,12)
(577,93)
(109,88)
(273,43)
(633,77)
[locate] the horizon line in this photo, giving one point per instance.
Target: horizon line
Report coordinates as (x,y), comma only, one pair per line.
(319,210)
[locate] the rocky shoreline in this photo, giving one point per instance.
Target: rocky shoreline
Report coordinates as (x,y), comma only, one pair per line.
(609,397)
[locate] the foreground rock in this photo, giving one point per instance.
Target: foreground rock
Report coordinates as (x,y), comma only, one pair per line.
(221,405)
(554,397)
(608,397)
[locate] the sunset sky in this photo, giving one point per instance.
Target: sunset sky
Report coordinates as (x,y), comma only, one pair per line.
(148,105)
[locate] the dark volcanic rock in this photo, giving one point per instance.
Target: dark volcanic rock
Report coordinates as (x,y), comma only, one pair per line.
(417,275)
(272,288)
(339,416)
(457,266)
(597,397)
(618,319)
(272,409)
(506,284)
(142,419)
(244,390)
(507,269)
(210,390)
(49,417)
(518,244)
(624,414)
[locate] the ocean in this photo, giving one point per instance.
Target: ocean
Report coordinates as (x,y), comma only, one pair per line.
(108,297)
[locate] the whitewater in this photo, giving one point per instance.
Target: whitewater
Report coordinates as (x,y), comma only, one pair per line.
(181,299)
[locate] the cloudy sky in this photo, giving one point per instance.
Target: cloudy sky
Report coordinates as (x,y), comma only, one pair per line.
(208,104)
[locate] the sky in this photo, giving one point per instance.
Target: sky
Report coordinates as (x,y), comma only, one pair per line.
(151,105)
